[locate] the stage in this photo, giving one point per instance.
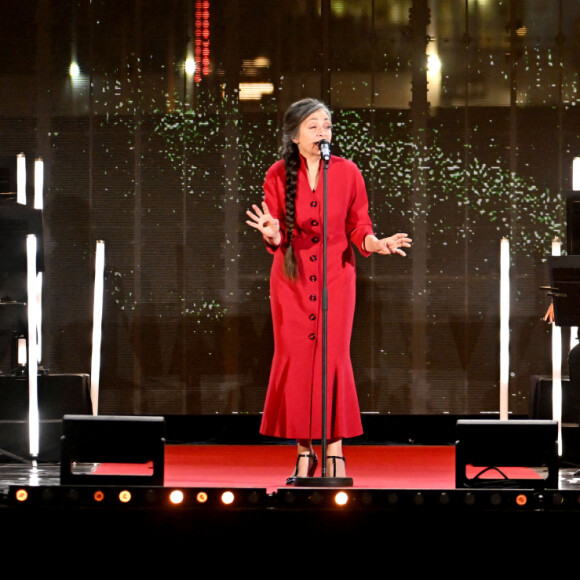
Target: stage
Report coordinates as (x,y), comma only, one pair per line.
(403,500)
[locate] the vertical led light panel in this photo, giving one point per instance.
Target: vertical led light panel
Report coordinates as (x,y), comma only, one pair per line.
(504,329)
(557,365)
(21,178)
(39,204)
(97,323)
(33,417)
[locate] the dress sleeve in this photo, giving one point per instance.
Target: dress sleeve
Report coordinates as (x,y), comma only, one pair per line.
(274,196)
(358,221)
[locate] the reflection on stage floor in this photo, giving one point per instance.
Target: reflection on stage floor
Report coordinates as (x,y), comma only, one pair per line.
(48,474)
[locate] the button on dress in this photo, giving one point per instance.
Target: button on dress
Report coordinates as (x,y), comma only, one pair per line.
(293,407)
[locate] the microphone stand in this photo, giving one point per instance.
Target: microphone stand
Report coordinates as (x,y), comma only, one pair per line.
(324,481)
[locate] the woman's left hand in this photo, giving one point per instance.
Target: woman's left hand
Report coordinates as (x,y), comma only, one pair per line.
(391,245)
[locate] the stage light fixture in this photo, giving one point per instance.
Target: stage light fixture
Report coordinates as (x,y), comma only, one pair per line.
(201,497)
(469,499)
(316,498)
(341,498)
(21,495)
(254,497)
(521,499)
(176,497)
(393,498)
(125,496)
(289,498)
(228,498)
(419,499)
(47,494)
(98,496)
(367,498)
(73,495)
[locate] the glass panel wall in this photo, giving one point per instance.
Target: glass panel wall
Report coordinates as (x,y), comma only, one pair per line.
(157,121)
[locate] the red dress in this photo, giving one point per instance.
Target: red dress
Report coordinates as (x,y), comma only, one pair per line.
(294,397)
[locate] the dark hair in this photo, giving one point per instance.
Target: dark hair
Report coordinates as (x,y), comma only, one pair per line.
(296,114)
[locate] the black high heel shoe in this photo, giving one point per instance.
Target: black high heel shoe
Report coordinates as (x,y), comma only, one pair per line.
(334,458)
(312,465)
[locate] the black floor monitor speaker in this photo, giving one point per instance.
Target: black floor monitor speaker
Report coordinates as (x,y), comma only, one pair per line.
(131,447)
(493,446)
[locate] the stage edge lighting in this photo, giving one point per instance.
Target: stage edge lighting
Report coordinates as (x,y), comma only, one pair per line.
(176,497)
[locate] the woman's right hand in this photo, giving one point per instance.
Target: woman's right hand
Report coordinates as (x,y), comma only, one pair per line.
(262,220)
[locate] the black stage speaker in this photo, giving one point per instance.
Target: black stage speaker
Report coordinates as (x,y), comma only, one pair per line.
(58,395)
(494,444)
(572,222)
(541,399)
(134,444)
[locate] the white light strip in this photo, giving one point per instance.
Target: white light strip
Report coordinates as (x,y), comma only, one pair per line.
(39,317)
(557,381)
(97,324)
(504,329)
(573,336)
(21,178)
(576,173)
(33,416)
(557,364)
(39,204)
(22,355)
(38,184)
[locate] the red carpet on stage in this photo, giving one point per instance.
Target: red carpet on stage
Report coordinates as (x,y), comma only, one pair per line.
(268,466)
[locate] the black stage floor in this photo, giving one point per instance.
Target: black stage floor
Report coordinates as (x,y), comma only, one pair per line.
(292,530)
(428,530)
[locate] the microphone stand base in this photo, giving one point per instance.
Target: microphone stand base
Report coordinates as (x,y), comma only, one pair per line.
(323,482)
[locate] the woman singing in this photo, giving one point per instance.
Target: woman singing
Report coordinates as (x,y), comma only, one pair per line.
(290,220)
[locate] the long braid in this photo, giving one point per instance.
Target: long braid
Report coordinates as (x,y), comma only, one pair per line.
(293,118)
(292,160)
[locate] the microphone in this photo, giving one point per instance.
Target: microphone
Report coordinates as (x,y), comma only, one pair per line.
(324,147)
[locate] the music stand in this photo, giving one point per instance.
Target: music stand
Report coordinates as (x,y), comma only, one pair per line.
(572,222)
(564,272)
